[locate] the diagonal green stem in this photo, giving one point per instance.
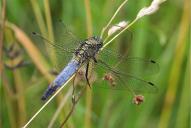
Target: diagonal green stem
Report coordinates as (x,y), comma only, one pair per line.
(107,43)
(119,8)
(32,118)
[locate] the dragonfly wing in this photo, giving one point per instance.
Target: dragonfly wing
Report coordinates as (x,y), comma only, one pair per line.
(64,36)
(132,65)
(60,49)
(114,79)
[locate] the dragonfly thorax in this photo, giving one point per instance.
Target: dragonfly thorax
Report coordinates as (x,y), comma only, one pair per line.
(88,49)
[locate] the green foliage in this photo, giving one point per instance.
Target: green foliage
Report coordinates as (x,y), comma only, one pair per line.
(162,36)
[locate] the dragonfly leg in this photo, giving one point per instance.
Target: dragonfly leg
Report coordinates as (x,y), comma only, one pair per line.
(73,91)
(86,75)
(95,60)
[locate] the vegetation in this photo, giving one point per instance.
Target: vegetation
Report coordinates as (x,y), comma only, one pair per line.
(25,69)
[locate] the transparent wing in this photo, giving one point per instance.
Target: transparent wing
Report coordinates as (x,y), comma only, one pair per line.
(64,37)
(115,79)
(60,49)
(123,72)
(132,65)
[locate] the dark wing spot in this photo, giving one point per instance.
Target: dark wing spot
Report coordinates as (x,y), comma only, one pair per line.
(34,33)
(151,83)
(152,61)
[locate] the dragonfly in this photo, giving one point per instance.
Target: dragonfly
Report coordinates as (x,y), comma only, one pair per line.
(115,71)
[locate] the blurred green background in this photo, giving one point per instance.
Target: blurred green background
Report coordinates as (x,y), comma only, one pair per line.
(163,36)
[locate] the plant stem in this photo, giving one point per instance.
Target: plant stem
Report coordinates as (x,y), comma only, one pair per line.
(182,117)
(73,107)
(48,20)
(3,14)
(39,17)
(32,118)
(88,91)
(88,18)
(50,31)
(20,99)
(8,94)
(32,50)
(107,43)
(63,102)
(116,12)
(176,68)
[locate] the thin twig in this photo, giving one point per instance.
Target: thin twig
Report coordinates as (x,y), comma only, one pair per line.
(63,102)
(73,106)
(107,43)
(118,9)
(3,14)
(47,103)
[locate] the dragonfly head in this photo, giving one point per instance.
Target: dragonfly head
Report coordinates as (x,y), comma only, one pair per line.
(98,40)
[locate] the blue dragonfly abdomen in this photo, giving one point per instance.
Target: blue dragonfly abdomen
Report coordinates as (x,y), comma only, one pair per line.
(64,75)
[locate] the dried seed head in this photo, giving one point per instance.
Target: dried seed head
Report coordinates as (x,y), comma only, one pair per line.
(138,99)
(154,6)
(109,77)
(117,27)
